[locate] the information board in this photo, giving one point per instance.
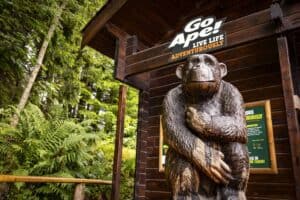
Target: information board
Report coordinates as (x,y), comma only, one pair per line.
(260,137)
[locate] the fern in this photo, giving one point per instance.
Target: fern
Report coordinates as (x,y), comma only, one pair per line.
(41,146)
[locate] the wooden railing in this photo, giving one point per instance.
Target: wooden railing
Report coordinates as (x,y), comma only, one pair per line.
(47,179)
(79,190)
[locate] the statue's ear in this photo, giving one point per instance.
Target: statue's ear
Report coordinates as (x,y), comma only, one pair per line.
(223,69)
(179,71)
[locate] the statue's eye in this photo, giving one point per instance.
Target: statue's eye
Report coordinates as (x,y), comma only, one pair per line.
(208,61)
(196,60)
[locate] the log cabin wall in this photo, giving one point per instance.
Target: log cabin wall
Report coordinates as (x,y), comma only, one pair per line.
(294,44)
(253,68)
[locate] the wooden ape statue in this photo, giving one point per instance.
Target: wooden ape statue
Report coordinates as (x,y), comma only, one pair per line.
(204,126)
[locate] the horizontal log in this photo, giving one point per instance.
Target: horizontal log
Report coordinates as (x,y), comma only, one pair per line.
(255,94)
(156,182)
(283,161)
(274,190)
(280,131)
(285,175)
(157,185)
(265,198)
(47,179)
(158,195)
(278,117)
(239,69)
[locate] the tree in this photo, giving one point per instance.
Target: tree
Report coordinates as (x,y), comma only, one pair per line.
(73,100)
(39,62)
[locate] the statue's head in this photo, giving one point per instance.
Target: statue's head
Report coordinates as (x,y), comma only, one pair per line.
(201,74)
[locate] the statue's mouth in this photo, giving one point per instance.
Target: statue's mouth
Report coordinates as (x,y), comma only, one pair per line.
(203,81)
(201,75)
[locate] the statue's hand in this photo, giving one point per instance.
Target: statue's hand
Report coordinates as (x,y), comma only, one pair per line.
(198,121)
(210,162)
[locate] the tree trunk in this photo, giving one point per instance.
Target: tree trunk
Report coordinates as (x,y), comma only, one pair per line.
(37,67)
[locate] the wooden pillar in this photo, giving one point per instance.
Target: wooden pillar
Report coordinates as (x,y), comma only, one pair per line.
(291,114)
(79,192)
(141,146)
(115,194)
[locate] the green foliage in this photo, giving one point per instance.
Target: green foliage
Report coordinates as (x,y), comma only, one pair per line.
(68,127)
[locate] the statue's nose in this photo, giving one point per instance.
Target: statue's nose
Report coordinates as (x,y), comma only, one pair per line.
(196,66)
(201,72)
(200,65)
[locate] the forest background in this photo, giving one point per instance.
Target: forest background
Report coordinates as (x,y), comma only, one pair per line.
(66,126)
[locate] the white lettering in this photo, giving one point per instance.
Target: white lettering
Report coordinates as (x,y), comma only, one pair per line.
(206,32)
(193,25)
(189,38)
(179,39)
(207,22)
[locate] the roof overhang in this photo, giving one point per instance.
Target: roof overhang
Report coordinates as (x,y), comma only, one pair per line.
(155,22)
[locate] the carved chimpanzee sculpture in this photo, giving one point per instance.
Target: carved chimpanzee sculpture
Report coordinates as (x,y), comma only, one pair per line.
(204,126)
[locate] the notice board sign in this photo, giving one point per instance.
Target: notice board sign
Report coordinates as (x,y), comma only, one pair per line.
(261,146)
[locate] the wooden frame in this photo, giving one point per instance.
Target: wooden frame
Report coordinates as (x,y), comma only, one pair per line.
(270,137)
(161,142)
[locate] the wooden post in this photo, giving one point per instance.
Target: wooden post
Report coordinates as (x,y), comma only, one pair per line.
(291,114)
(79,192)
(115,194)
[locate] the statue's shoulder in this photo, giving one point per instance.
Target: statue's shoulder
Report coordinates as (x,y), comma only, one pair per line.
(230,92)
(174,99)
(174,92)
(229,88)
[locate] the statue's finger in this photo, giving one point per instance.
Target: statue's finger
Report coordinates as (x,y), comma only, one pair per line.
(225,174)
(213,177)
(192,110)
(225,167)
(188,114)
(221,154)
(218,175)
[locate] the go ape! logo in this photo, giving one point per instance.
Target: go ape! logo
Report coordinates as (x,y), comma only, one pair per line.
(200,35)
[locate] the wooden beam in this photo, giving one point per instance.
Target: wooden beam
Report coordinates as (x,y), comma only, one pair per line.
(46,179)
(100,20)
(243,30)
(123,47)
(115,195)
(291,114)
(116,31)
(120,53)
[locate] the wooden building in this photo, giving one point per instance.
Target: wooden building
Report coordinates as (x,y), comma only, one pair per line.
(263,59)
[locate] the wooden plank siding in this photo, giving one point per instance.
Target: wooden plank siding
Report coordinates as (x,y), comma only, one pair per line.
(254,68)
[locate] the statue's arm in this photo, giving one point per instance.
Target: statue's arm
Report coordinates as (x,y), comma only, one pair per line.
(181,139)
(176,134)
(228,127)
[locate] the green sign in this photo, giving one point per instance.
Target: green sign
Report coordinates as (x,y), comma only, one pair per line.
(258,145)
